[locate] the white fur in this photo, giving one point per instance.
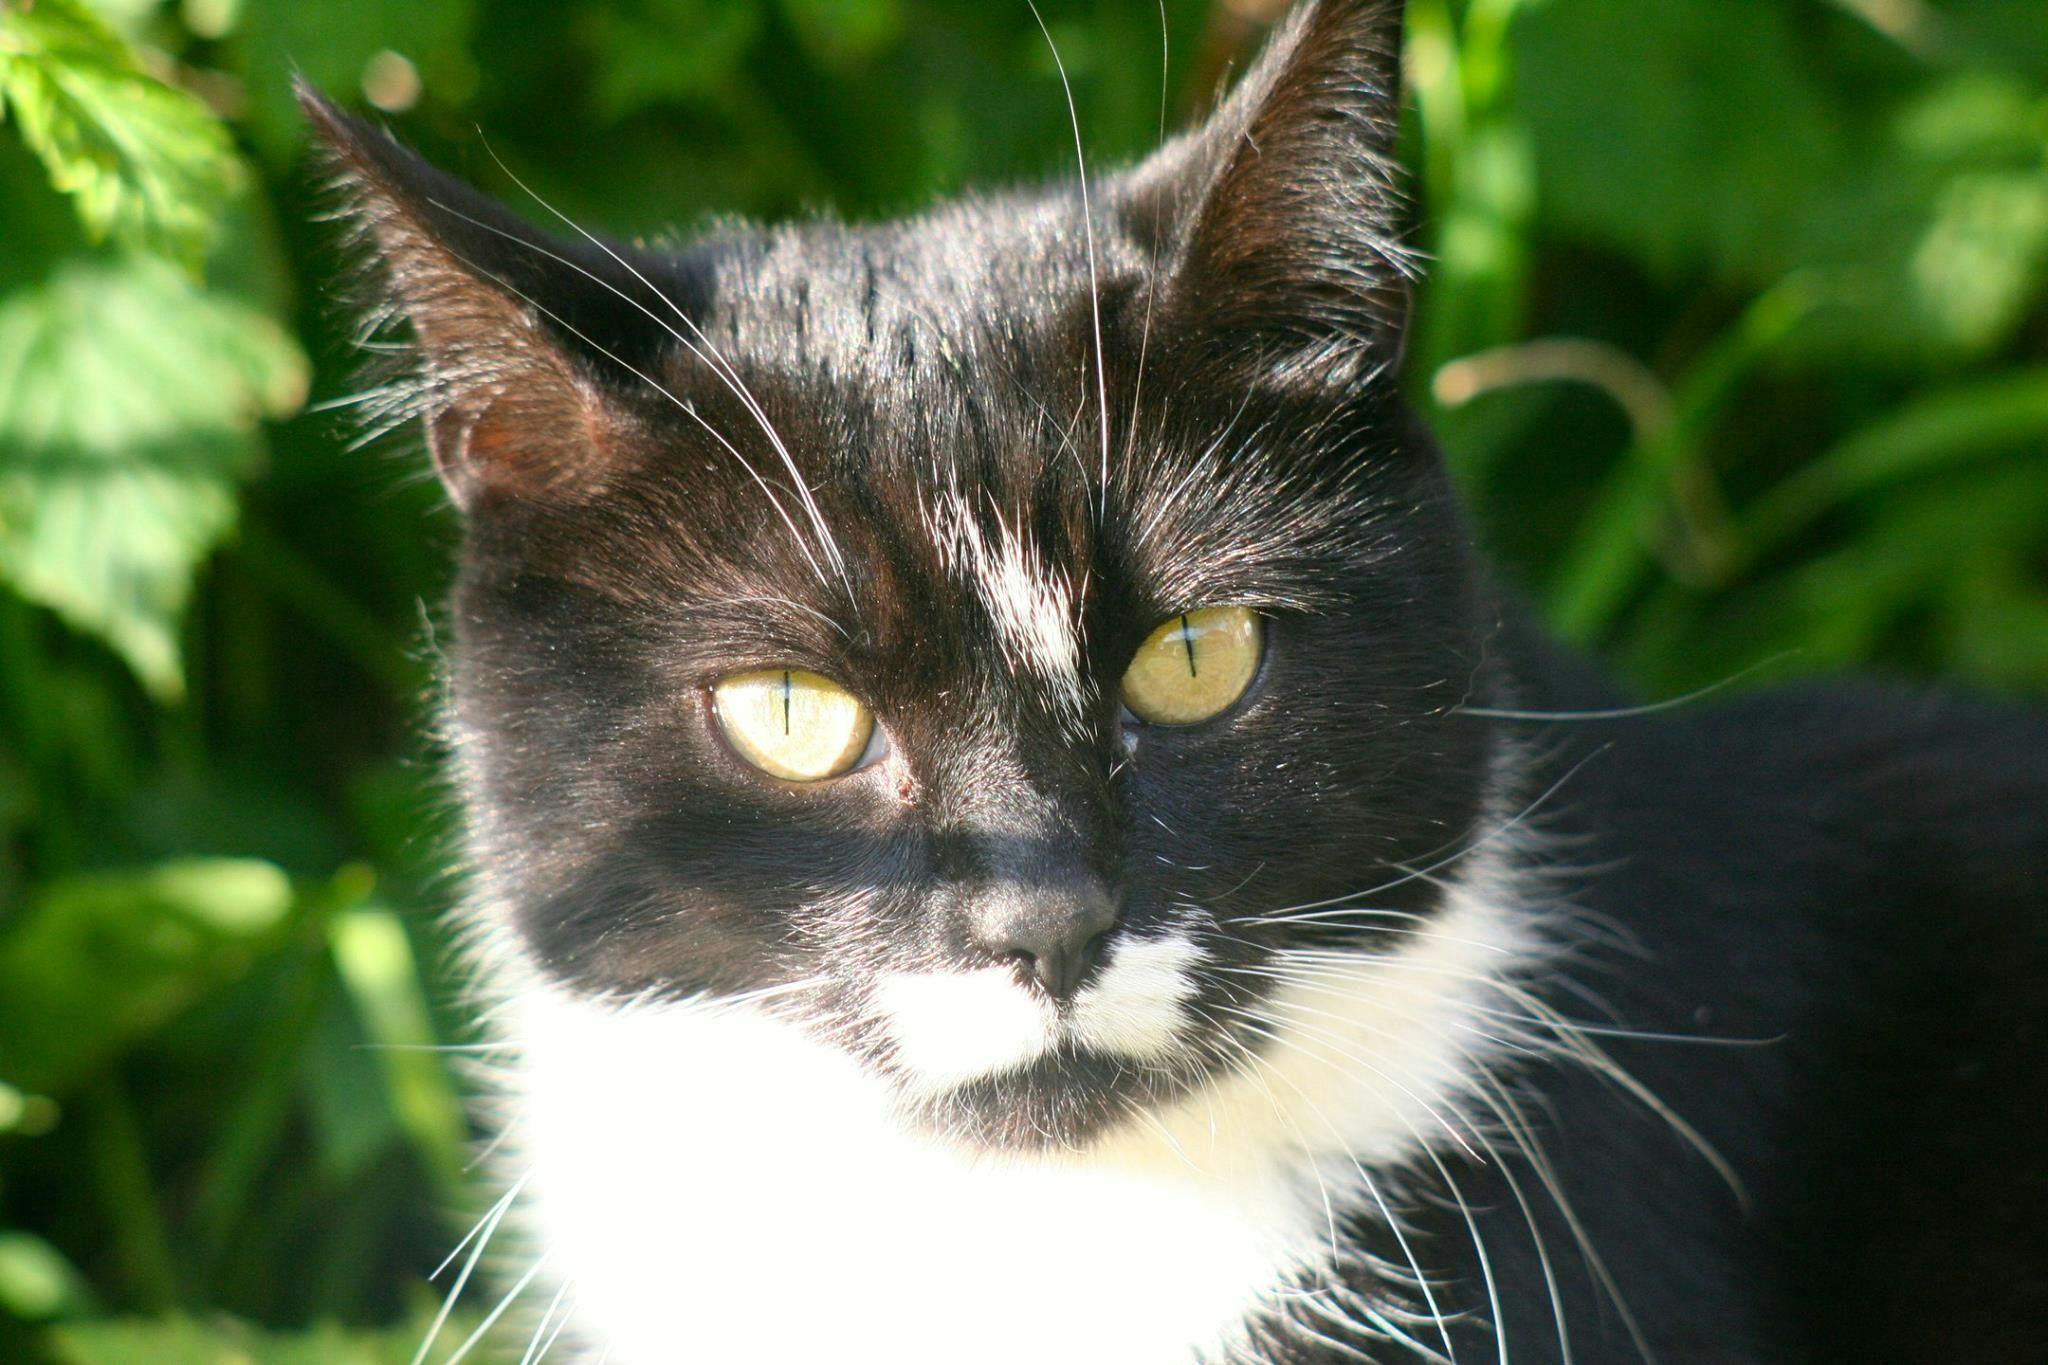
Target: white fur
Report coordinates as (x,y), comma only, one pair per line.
(948,1028)
(1031,604)
(1137,1004)
(714,1185)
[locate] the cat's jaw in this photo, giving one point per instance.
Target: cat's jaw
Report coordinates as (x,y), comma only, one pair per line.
(711,1182)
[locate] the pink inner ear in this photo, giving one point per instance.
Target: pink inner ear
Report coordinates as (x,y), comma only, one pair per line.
(542,435)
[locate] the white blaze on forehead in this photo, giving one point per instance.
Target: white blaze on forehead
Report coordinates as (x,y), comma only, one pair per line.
(1137,1004)
(1031,603)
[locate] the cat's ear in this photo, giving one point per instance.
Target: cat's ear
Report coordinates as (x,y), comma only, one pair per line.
(1279,217)
(520,341)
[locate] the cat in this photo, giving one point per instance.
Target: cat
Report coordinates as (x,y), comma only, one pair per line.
(1009,822)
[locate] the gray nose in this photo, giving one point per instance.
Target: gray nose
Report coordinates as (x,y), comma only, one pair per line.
(1055,934)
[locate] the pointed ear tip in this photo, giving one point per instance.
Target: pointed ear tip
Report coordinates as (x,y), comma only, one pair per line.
(320,111)
(341,134)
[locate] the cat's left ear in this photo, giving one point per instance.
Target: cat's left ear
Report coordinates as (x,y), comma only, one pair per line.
(1278,219)
(526,346)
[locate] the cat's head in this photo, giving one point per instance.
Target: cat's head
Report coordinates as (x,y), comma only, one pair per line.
(985,639)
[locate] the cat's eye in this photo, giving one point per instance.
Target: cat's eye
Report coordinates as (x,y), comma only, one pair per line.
(1194,666)
(793,724)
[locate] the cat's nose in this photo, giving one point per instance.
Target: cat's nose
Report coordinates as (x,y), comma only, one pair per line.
(1055,935)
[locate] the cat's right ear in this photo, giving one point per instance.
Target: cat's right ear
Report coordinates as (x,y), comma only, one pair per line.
(1277,220)
(523,344)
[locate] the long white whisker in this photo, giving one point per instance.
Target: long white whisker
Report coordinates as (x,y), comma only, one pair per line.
(1409,874)
(647,379)
(1152,275)
(802,489)
(491,1318)
(534,1347)
(1628,712)
(1371,1187)
(1547,1174)
(719,365)
(1088,230)
(481,1234)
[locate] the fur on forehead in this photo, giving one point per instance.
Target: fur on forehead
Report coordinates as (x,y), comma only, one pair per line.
(1263,504)
(1259,250)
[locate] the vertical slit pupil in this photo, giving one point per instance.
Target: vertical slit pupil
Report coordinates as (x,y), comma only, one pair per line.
(785,701)
(1187,638)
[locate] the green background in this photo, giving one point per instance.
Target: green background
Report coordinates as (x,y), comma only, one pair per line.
(1735,333)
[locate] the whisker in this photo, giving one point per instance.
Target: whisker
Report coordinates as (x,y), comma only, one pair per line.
(1393,1224)
(1088,229)
(802,489)
(1158,227)
(645,378)
(535,1349)
(491,1318)
(1629,712)
(1542,1248)
(481,1234)
(722,366)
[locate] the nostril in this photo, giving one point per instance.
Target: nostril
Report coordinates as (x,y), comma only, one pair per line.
(1054,941)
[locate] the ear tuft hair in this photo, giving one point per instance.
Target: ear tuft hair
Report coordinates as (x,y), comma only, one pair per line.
(1283,208)
(520,342)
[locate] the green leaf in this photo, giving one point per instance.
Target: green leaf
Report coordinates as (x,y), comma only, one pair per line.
(129,402)
(144,163)
(845,32)
(1656,134)
(1933,431)
(36,1281)
(223,1341)
(1678,130)
(659,50)
(99,960)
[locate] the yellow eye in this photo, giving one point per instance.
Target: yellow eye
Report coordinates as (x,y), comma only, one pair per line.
(1193,666)
(792,724)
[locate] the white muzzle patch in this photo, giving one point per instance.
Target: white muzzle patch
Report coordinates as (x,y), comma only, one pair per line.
(949,1028)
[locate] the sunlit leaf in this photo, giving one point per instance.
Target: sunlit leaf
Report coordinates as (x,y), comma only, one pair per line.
(223,1341)
(37,1282)
(128,408)
(101,959)
(143,162)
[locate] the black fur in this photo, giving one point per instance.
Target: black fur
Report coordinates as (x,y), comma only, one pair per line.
(1845,889)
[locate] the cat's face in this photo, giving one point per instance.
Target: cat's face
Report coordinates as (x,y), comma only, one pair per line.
(806,572)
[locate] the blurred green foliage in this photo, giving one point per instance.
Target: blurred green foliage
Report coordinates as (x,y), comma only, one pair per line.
(1735,333)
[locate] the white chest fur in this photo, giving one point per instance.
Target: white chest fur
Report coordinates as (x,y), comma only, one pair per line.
(710,1184)
(719,1188)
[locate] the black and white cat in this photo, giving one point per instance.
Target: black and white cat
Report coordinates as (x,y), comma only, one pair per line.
(1009,824)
